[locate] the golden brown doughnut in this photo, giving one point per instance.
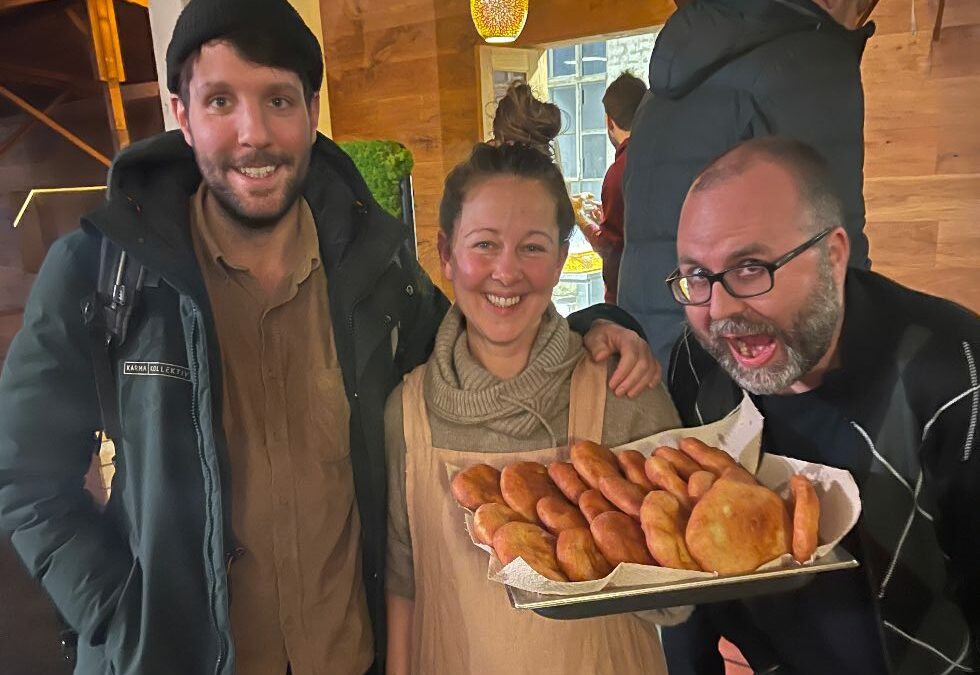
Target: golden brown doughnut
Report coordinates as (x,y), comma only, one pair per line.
(806,518)
(477,485)
(525,540)
(631,462)
(593,461)
(662,510)
(683,465)
(663,525)
(698,484)
(489,517)
(592,503)
(557,514)
(579,557)
(711,459)
(623,494)
(739,473)
(523,484)
(567,479)
(620,539)
(662,474)
(737,527)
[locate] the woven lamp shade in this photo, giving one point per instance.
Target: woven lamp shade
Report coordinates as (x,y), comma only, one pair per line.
(499,21)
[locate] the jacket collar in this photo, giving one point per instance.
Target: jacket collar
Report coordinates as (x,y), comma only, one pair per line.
(867,336)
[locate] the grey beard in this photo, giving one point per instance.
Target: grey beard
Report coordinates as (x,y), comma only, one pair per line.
(805,343)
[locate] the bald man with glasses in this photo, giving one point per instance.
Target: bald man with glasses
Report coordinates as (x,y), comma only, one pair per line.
(851,370)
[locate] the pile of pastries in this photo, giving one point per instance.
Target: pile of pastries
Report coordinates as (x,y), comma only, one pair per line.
(692,507)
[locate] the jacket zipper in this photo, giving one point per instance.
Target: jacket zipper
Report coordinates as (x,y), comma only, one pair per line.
(208,485)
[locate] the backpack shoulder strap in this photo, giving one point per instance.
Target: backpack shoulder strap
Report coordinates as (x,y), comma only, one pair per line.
(106,313)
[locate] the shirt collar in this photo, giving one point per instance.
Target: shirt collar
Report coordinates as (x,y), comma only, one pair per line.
(304,256)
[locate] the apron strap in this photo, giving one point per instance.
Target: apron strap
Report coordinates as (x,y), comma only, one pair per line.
(587,401)
(415,416)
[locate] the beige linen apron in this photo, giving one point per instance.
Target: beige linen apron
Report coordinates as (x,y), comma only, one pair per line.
(463,623)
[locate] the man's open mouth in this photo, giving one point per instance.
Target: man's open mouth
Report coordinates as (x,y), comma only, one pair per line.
(751,351)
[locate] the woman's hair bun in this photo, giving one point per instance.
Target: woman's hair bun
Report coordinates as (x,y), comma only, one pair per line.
(523,119)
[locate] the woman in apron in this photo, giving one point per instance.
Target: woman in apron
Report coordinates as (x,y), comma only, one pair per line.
(507,381)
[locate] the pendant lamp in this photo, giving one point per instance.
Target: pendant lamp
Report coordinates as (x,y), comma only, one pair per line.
(499,21)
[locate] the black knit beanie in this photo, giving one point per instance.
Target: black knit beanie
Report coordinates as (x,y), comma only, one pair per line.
(205,20)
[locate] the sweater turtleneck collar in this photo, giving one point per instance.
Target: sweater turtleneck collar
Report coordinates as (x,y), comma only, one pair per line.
(460,390)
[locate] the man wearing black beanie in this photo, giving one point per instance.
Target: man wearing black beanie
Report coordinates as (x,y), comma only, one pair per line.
(245,393)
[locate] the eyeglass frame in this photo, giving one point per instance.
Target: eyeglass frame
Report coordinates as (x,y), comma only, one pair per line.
(719,277)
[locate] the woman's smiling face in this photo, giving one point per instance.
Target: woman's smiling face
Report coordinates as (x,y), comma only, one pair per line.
(504,259)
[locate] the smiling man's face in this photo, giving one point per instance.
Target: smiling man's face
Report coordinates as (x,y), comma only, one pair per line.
(251,131)
(769,342)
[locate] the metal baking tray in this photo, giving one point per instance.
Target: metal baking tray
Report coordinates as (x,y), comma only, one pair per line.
(673,594)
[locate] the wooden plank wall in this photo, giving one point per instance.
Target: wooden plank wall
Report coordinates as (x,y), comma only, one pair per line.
(922,140)
(406,70)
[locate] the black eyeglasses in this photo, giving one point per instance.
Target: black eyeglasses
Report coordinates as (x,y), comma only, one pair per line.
(742,281)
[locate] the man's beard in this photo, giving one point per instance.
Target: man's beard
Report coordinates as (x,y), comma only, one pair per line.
(223,193)
(804,344)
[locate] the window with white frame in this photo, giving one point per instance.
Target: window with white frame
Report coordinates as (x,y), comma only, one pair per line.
(576,83)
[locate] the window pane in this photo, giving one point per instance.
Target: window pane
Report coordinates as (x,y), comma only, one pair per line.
(564,98)
(593,186)
(561,61)
(593,112)
(594,155)
(594,58)
(569,158)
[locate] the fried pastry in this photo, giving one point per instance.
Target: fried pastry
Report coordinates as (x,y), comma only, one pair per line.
(489,517)
(631,462)
(579,557)
(592,503)
(698,484)
(567,479)
(737,527)
(663,525)
(662,474)
(525,540)
(623,494)
(557,514)
(739,473)
(683,465)
(711,459)
(593,461)
(806,518)
(620,539)
(661,509)
(523,484)
(477,485)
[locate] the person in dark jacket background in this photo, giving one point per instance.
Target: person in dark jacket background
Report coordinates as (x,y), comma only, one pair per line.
(246,528)
(724,71)
(851,370)
(620,101)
